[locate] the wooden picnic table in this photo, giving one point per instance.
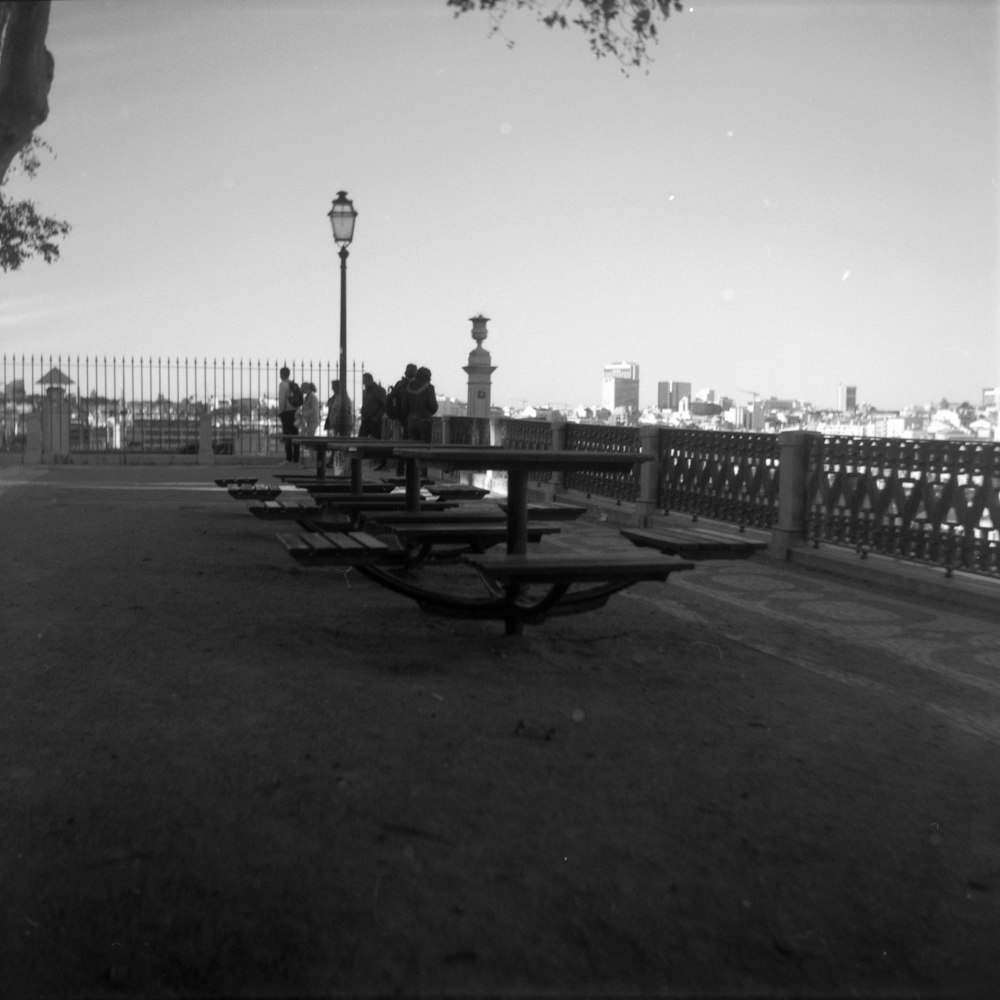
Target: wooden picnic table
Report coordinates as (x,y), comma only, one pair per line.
(518,464)
(357,450)
(511,577)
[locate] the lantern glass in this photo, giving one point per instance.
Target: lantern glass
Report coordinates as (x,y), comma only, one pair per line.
(342,216)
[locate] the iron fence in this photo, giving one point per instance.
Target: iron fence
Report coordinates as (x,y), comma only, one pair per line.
(935,502)
(620,486)
(723,475)
(149,405)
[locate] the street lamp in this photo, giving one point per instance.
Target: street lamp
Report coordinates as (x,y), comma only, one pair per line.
(342,216)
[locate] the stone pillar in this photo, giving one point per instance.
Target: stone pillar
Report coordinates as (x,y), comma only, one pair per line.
(793,467)
(33,433)
(206,454)
(55,424)
(480,371)
(648,502)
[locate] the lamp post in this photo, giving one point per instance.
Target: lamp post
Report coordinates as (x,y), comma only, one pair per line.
(342,216)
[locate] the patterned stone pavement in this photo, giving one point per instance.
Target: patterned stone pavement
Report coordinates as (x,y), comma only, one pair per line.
(838,628)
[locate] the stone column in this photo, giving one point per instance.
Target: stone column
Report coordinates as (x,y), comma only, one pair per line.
(33,433)
(206,456)
(557,483)
(793,468)
(55,424)
(480,371)
(648,501)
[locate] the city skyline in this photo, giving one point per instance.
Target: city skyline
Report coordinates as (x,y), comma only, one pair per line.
(801,195)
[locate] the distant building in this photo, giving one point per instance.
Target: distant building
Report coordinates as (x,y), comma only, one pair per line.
(847,398)
(621,388)
(990,397)
(670,394)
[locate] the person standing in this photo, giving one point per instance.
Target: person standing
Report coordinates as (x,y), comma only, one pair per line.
(287,407)
(419,406)
(394,410)
(333,408)
(307,417)
(372,407)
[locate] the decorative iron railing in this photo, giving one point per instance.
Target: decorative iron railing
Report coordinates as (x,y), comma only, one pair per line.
(722,475)
(620,486)
(933,502)
(528,435)
(138,405)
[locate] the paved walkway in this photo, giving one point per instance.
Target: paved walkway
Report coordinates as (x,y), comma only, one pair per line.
(225,775)
(960,646)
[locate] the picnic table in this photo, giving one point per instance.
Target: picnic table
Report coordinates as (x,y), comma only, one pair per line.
(357,449)
(521,588)
(508,577)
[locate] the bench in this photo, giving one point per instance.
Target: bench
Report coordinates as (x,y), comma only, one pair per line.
(696,542)
(259,491)
(350,548)
(510,575)
(458,492)
(360,502)
(432,514)
(420,538)
(553,511)
(338,486)
(269,510)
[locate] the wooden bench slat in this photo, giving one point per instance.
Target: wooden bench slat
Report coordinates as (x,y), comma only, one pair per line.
(369,542)
(552,511)
(463,532)
(458,492)
(434,515)
(695,543)
(578,566)
(331,547)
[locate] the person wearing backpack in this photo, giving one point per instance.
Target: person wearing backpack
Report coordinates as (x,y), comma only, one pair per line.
(289,401)
(419,406)
(394,410)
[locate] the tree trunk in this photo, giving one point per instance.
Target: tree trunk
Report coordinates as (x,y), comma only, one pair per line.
(26,69)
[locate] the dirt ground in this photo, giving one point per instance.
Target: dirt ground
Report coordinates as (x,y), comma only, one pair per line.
(226,775)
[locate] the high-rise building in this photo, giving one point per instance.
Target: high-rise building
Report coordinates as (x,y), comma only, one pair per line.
(621,387)
(670,394)
(847,398)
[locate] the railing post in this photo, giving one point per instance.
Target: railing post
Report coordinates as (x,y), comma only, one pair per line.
(647,502)
(793,468)
(446,430)
(556,483)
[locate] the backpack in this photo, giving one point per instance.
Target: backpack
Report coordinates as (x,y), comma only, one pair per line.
(295,396)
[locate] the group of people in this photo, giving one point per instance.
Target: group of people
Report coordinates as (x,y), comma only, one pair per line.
(411,404)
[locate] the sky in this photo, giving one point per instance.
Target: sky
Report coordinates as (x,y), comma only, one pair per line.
(791,196)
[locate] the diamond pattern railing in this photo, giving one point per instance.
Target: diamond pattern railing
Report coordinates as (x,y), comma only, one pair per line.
(721,475)
(934,502)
